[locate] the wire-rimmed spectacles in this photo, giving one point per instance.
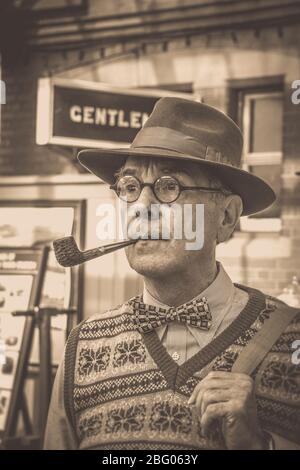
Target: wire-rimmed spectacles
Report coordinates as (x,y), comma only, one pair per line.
(166,189)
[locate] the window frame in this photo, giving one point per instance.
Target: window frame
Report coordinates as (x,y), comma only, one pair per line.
(249,159)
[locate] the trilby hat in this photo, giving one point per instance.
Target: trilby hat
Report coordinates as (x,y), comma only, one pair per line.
(192,131)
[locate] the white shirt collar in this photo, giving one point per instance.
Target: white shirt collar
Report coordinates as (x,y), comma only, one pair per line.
(219,295)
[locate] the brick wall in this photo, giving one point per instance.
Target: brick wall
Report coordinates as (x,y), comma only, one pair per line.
(19,155)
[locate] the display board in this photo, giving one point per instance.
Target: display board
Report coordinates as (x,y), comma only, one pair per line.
(36,223)
(22,273)
(26,227)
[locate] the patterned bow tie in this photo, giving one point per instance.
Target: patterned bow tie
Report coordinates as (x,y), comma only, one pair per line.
(194,313)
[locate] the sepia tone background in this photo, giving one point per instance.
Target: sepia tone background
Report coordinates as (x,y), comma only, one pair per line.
(239,56)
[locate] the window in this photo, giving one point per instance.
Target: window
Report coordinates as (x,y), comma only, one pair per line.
(263,119)
(256,105)
(262,125)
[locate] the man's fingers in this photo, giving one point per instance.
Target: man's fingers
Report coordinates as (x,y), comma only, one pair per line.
(207,397)
(222,380)
(214,396)
(209,385)
(213,413)
(198,401)
(194,395)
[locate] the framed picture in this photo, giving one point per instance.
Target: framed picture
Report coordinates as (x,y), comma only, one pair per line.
(37,223)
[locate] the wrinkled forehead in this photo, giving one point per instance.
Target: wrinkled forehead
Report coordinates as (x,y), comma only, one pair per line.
(155,163)
(171,166)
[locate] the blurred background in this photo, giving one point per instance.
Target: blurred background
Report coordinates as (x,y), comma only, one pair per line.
(86,73)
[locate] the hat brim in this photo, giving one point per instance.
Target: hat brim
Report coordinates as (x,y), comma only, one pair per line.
(255,193)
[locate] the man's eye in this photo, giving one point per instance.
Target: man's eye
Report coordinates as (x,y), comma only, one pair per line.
(130,188)
(171,186)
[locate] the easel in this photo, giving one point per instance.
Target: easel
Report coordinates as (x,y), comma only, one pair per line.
(40,317)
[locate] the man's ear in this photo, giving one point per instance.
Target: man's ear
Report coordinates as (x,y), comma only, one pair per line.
(231,212)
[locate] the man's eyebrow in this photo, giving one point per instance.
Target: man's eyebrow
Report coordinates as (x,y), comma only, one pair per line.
(171,169)
(167,170)
(125,171)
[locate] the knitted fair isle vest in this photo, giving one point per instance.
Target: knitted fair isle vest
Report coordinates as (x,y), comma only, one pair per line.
(124,391)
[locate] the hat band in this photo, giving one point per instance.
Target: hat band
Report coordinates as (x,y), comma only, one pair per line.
(175,141)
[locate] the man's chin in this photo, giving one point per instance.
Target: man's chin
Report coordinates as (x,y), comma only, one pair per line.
(151,270)
(152,263)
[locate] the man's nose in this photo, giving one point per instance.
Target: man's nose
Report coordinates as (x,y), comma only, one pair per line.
(147,197)
(147,204)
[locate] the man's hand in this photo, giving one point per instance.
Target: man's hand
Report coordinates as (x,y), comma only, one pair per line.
(228,399)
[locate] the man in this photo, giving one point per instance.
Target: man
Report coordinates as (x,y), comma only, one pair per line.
(196,362)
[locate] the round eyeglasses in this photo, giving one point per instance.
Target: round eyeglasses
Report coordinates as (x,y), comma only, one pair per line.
(166,189)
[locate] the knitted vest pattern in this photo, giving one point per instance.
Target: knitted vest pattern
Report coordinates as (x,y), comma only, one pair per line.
(124,391)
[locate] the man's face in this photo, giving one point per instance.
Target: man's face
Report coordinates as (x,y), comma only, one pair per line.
(163,257)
